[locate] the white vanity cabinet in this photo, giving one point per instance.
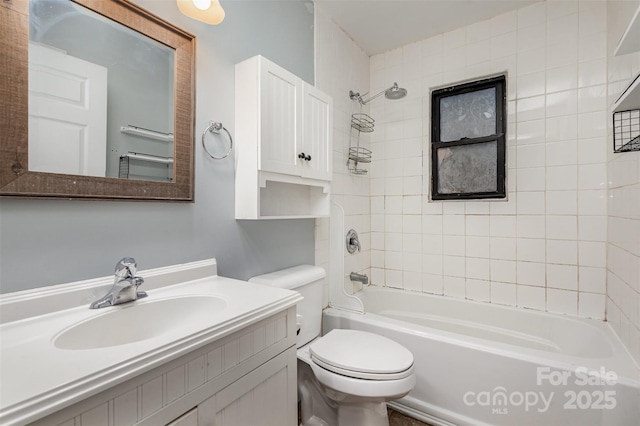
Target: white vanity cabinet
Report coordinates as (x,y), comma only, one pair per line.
(283,143)
(190,418)
(246,378)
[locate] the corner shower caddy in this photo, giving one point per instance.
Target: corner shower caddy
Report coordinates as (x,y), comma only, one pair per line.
(626,109)
(361,123)
(626,131)
(626,118)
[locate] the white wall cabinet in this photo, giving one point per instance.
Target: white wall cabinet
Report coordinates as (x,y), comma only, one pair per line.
(629,99)
(317,129)
(246,378)
(283,143)
(630,40)
(276,102)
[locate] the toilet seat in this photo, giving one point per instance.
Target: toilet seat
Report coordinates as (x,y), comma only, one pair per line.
(361,355)
(383,388)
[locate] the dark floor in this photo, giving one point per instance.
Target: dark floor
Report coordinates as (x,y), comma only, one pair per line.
(399,419)
(395,419)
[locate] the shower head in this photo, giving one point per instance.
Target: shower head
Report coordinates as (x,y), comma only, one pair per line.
(393,92)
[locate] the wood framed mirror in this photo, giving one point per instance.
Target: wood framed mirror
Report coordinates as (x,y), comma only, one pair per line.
(26,174)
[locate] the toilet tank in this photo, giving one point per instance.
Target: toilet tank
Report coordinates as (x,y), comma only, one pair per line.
(307,280)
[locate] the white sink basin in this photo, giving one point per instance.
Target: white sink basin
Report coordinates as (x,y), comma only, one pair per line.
(140,320)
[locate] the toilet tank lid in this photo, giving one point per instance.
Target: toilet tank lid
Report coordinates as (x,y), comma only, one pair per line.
(291,278)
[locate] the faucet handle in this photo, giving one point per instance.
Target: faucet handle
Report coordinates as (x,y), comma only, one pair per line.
(137,281)
(126,268)
(353,243)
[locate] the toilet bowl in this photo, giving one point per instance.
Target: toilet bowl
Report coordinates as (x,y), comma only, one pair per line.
(346,376)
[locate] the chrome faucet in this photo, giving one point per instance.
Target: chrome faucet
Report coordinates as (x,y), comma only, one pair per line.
(363,278)
(125,286)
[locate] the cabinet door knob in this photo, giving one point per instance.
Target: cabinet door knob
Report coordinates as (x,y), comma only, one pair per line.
(302,156)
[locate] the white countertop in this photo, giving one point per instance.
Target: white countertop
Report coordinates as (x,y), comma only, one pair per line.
(36,378)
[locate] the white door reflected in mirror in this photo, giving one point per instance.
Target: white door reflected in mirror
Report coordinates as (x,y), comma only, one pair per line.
(80,111)
(67,113)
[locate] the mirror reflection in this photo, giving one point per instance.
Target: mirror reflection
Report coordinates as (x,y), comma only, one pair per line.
(101,96)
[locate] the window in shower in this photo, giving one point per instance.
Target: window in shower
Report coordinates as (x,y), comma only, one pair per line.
(468,126)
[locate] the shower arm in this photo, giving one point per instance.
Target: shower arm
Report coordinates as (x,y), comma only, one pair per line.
(356,96)
(364,101)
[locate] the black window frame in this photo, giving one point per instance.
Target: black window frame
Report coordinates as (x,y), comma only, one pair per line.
(500,85)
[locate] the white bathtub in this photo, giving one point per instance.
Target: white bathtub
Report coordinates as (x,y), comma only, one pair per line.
(478,363)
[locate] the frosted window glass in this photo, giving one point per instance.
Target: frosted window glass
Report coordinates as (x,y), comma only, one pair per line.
(468,168)
(468,115)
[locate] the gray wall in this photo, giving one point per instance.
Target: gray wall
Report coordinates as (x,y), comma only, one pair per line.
(46,242)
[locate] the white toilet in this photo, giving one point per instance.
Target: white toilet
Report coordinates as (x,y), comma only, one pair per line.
(346,376)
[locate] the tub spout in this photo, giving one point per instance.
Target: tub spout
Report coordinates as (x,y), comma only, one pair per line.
(363,278)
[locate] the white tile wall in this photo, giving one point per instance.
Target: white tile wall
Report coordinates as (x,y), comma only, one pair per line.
(544,248)
(553,244)
(342,66)
(623,179)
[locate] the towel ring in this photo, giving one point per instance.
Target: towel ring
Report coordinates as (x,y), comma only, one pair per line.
(215,127)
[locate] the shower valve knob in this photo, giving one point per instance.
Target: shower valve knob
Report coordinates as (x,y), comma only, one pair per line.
(302,156)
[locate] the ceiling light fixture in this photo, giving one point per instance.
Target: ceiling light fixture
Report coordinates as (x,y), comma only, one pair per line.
(207,11)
